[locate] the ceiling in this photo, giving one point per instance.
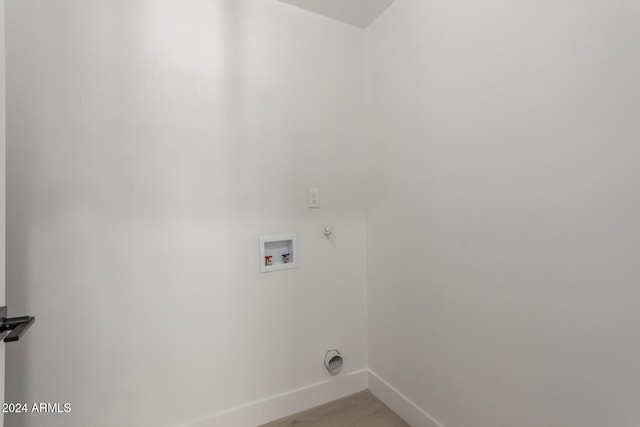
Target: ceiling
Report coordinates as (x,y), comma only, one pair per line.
(360,13)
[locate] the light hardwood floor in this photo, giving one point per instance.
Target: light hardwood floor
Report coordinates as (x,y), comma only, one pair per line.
(358,410)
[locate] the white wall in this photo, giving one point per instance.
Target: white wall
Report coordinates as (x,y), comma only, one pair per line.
(150,144)
(503,237)
(3,191)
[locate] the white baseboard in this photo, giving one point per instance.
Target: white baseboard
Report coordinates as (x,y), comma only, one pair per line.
(400,404)
(273,408)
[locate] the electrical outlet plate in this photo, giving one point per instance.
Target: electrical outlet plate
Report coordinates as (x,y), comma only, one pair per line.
(276,246)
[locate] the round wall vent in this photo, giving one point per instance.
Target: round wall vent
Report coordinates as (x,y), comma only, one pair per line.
(333,362)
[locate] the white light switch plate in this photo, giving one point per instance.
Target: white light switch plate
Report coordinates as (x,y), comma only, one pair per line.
(314,198)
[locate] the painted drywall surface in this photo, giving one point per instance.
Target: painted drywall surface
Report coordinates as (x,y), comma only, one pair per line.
(3,192)
(151,143)
(505,179)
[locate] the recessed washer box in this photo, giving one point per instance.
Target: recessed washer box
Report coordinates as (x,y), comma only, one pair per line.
(278,253)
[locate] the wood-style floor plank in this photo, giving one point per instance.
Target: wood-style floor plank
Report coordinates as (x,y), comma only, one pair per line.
(358,410)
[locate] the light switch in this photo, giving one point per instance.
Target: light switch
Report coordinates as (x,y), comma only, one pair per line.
(314,198)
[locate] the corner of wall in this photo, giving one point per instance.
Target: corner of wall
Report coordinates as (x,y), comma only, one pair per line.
(399,403)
